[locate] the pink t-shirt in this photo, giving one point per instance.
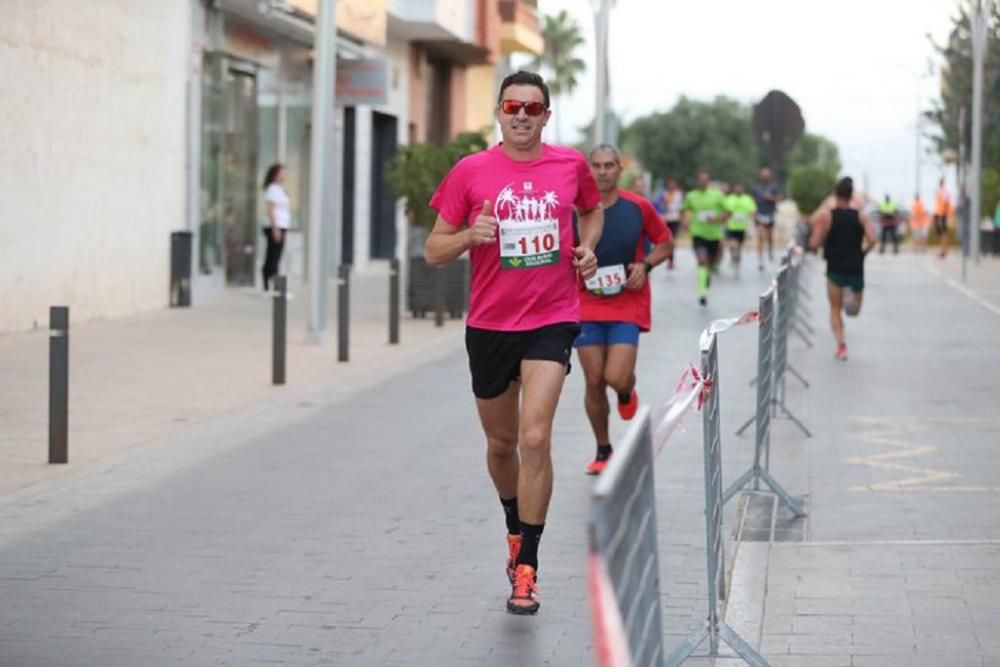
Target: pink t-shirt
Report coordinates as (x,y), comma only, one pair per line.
(526,279)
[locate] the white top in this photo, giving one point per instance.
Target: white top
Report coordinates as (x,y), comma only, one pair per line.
(675,204)
(275,194)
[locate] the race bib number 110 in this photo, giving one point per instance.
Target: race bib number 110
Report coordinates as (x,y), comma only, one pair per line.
(528,245)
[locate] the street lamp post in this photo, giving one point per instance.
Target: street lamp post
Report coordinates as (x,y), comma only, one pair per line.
(978,56)
(602,18)
(321,171)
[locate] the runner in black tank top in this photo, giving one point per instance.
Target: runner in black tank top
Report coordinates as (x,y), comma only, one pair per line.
(845,235)
(842,249)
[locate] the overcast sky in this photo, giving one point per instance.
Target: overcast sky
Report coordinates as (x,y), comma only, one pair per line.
(857,68)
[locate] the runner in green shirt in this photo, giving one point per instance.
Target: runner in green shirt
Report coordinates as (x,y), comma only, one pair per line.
(741,207)
(705,216)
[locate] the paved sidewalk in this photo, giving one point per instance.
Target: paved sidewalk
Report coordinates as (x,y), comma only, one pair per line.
(901,564)
(135,380)
(352,527)
(351,521)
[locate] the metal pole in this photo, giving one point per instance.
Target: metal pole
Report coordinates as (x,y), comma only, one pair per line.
(393,301)
(978,56)
(59,384)
(602,18)
(440,296)
(278,337)
(960,195)
(343,311)
(321,171)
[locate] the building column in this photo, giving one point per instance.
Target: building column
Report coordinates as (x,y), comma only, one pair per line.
(362,186)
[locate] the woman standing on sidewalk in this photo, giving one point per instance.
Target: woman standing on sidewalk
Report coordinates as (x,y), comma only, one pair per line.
(279,217)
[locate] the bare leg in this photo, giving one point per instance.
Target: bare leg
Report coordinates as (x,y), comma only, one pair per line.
(499,419)
(836,297)
(596,397)
(619,370)
(543,381)
(858,299)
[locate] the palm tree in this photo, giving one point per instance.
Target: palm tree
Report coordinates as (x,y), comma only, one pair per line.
(562,37)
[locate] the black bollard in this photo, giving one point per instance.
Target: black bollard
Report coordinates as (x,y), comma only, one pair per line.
(59,384)
(393,301)
(343,311)
(279,338)
(440,295)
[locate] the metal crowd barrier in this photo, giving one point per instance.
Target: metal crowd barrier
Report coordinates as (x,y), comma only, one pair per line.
(783,287)
(765,387)
(623,534)
(797,323)
(715,630)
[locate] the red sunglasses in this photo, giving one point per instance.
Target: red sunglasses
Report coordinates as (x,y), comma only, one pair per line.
(512,107)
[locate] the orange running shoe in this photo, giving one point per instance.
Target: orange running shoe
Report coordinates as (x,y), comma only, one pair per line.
(513,549)
(523,598)
(597,466)
(627,410)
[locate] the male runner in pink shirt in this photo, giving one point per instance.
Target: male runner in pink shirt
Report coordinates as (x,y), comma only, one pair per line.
(511,207)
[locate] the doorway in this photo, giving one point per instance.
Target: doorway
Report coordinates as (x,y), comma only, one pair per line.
(228,226)
(383,200)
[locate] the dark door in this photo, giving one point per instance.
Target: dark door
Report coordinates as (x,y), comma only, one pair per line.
(347,206)
(383,203)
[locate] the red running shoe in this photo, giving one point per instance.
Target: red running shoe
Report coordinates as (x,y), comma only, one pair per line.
(627,410)
(523,598)
(841,352)
(513,549)
(597,466)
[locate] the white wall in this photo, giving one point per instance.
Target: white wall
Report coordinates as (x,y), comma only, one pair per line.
(92,155)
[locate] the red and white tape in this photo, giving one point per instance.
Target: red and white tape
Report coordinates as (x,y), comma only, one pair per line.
(692,390)
(609,628)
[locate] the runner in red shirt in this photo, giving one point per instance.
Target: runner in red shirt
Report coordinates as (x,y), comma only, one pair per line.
(615,303)
(511,207)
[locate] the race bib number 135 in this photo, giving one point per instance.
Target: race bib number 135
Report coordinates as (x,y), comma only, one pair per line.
(528,245)
(608,281)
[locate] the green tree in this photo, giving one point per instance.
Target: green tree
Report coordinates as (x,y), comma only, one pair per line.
(956,90)
(816,150)
(562,37)
(718,136)
(809,185)
(715,135)
(415,171)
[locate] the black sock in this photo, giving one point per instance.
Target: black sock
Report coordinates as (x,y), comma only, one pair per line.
(510,514)
(531,535)
(603,452)
(625,398)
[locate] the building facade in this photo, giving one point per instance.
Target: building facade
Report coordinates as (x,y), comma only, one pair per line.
(124,122)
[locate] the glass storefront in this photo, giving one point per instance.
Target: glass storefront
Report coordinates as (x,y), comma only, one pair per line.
(254,113)
(229,169)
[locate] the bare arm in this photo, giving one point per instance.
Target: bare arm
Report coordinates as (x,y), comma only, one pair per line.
(869,228)
(819,223)
(591,226)
(446,242)
(275,230)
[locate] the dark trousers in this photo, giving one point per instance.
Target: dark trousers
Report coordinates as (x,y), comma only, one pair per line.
(889,233)
(272,256)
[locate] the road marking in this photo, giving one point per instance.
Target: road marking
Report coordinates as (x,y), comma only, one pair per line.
(899,543)
(921,478)
(951,282)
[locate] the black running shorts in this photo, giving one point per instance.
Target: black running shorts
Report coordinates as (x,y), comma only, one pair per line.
(708,247)
(495,356)
(739,235)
